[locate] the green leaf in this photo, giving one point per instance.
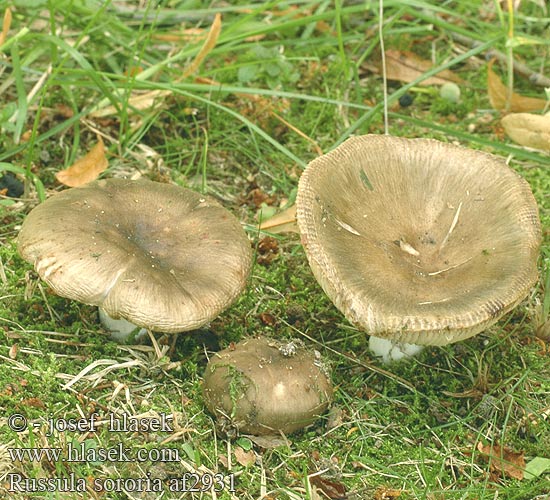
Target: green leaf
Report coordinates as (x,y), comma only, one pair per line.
(88,444)
(247,73)
(9,110)
(365,179)
(189,450)
(536,467)
(273,69)
(245,443)
(262,52)
(266,212)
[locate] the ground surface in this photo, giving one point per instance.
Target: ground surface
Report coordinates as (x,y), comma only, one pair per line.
(284,82)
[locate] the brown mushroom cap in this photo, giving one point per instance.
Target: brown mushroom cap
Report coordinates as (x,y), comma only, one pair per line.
(264,386)
(161,256)
(417,240)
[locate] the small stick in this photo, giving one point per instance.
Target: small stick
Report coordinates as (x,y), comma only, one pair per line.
(384,74)
(535,77)
(450,267)
(453,225)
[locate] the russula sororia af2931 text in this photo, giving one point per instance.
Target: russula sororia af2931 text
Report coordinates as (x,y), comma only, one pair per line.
(418,241)
(264,386)
(158,255)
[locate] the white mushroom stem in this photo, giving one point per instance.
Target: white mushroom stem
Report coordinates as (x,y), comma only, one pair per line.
(120,329)
(391,351)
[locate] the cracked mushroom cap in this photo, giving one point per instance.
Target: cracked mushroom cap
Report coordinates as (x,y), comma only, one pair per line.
(161,256)
(417,240)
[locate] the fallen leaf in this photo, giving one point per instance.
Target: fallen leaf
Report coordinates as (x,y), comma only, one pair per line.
(383,493)
(268,250)
(207,46)
(14,349)
(85,169)
(257,196)
(528,130)
(245,458)
(283,222)
(189,35)
(223,460)
(335,417)
(503,460)
(406,66)
(34,402)
(138,101)
(331,489)
(63,111)
(498,95)
(5,26)
(268,319)
(269,442)
(536,467)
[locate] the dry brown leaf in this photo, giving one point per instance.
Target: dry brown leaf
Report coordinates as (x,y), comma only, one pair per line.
(223,460)
(136,102)
(383,493)
(186,35)
(468,393)
(406,66)
(34,402)
(532,131)
(268,250)
(331,489)
(85,169)
(503,460)
(14,349)
(268,442)
(207,46)
(498,94)
(5,26)
(283,222)
(245,458)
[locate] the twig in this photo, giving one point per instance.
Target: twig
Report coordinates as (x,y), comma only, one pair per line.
(384,73)
(520,68)
(510,57)
(451,229)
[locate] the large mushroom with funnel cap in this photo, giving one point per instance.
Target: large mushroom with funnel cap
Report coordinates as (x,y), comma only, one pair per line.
(418,241)
(157,255)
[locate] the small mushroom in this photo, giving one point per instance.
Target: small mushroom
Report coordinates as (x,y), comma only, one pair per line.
(262,386)
(418,241)
(160,256)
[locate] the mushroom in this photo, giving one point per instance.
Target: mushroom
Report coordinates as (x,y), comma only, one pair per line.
(160,256)
(418,241)
(262,386)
